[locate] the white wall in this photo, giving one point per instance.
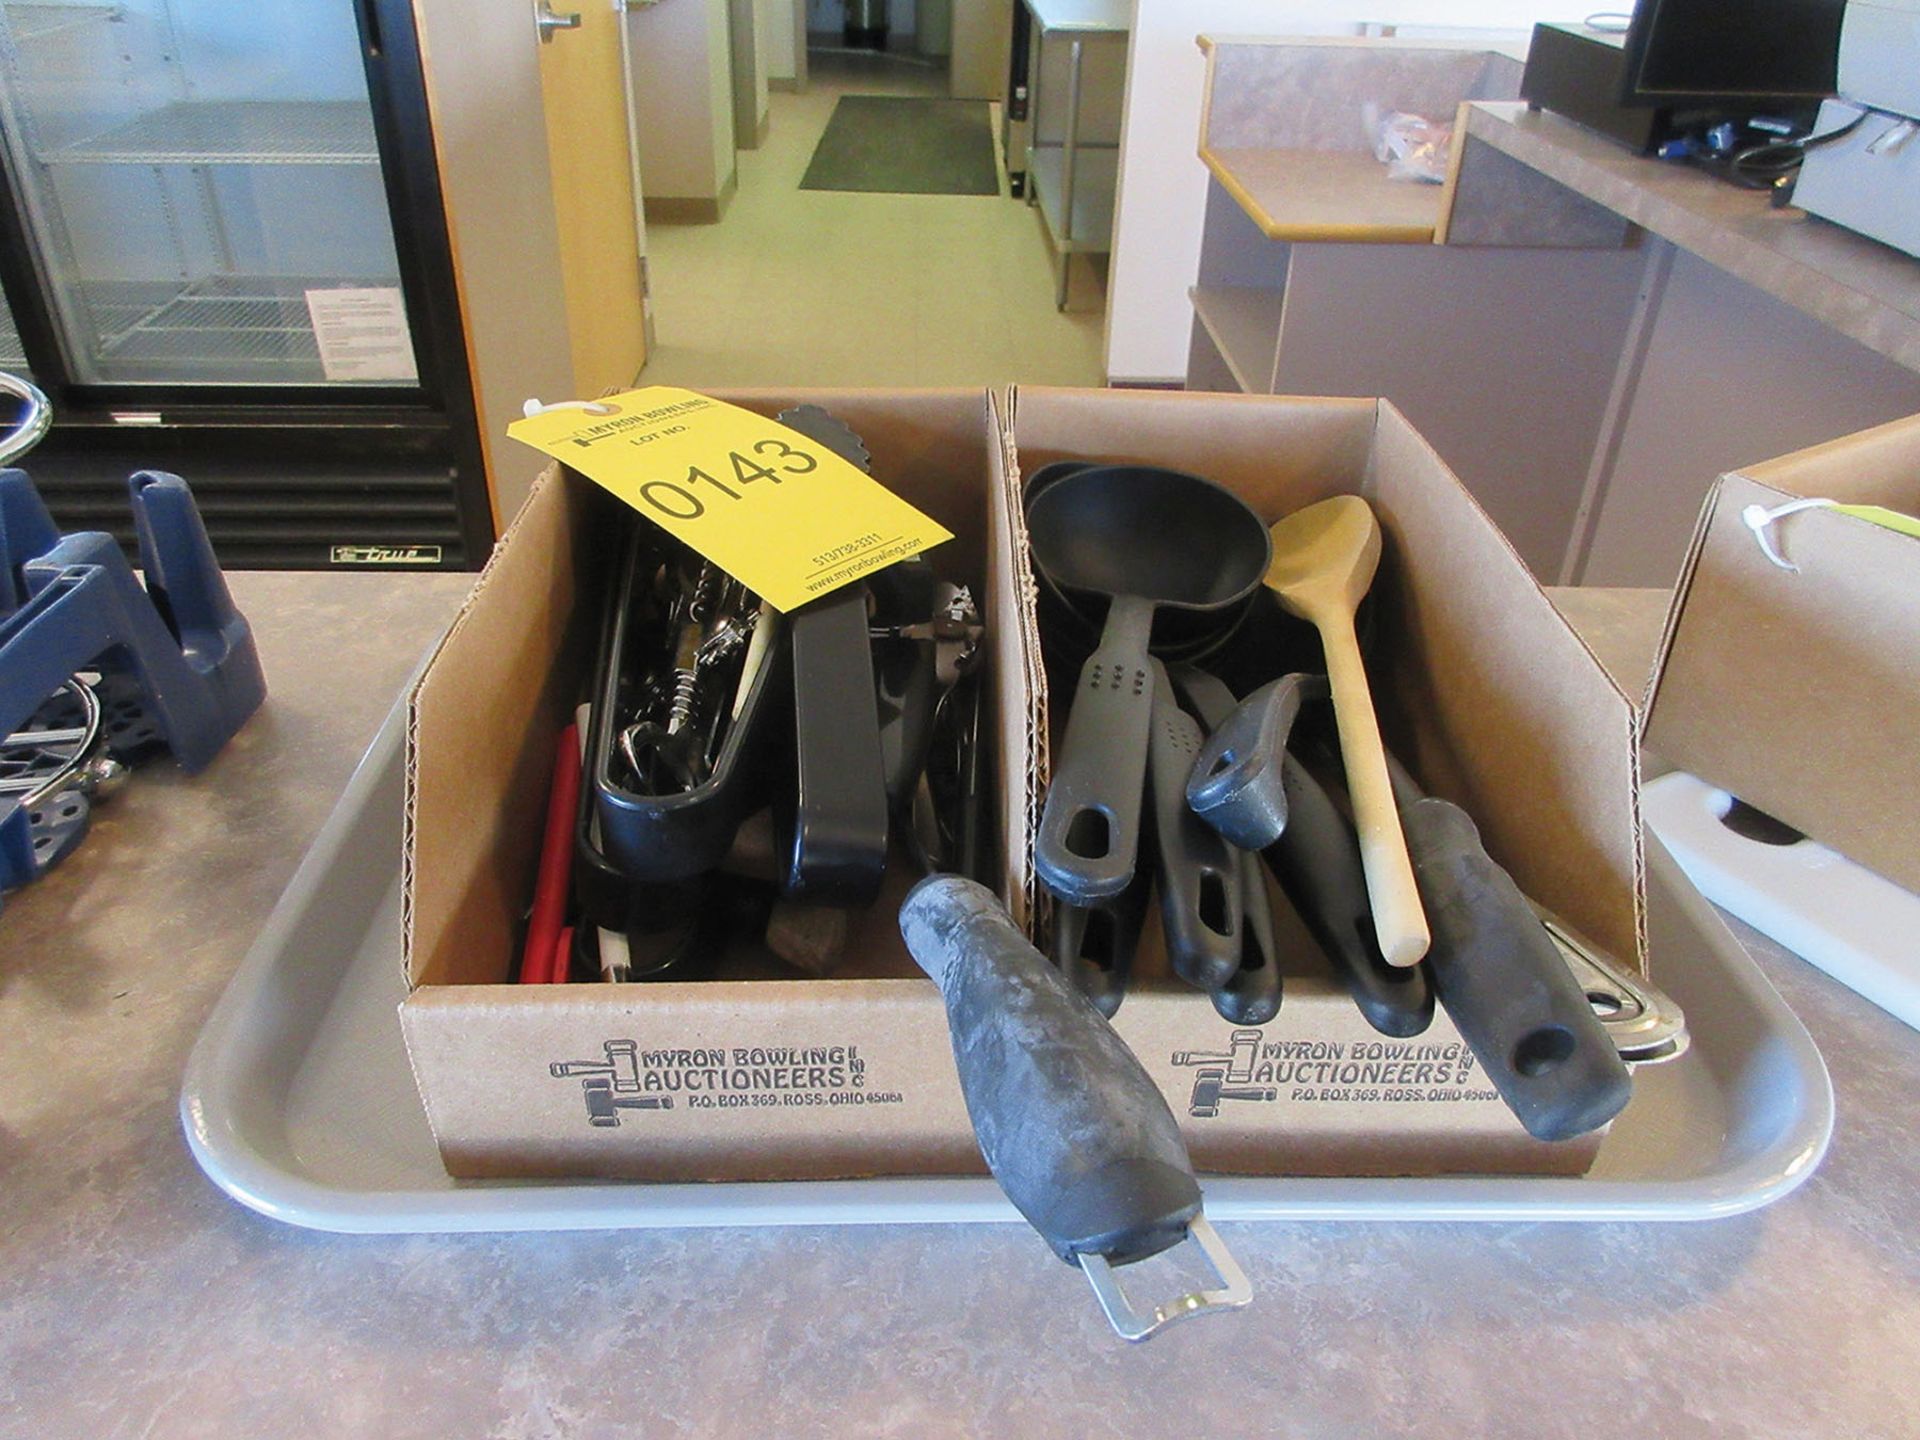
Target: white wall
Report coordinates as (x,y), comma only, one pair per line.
(720,96)
(1163,185)
(683,98)
(981,36)
(774,37)
(764,20)
(755,18)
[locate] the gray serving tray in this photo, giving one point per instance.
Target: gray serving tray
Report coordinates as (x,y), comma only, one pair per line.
(298,1100)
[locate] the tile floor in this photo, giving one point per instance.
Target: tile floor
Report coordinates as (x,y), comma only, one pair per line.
(812,287)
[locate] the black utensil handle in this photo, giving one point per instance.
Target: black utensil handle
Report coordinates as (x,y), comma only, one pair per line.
(838,852)
(1502,980)
(908,693)
(1236,785)
(1317,862)
(1251,995)
(1197,872)
(1094,945)
(1089,839)
(1070,1123)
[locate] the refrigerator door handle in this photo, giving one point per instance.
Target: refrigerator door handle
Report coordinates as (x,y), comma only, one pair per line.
(32,426)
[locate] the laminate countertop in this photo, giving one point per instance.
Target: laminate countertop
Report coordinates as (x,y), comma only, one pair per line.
(1864,290)
(138,1300)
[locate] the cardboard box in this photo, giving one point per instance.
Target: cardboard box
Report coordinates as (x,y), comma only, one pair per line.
(1489,698)
(1486,692)
(1797,690)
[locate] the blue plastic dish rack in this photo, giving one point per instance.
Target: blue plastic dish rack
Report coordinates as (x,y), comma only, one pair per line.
(174,650)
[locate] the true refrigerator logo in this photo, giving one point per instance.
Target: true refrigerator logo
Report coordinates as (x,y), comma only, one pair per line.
(1253,1068)
(385,554)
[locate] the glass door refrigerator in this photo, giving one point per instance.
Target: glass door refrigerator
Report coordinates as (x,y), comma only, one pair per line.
(225,255)
(13,356)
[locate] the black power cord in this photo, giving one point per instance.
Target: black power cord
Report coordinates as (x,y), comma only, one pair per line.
(1762,167)
(1772,165)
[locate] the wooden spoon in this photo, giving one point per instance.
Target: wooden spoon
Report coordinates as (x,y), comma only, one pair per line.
(1324,558)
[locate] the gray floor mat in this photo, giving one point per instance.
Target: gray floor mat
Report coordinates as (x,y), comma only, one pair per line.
(905,145)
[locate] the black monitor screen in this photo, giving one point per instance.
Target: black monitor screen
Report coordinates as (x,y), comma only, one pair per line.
(1705,51)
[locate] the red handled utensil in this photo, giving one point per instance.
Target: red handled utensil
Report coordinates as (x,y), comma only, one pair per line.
(537,959)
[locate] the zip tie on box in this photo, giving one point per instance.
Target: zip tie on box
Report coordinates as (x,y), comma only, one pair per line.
(593,407)
(1894,139)
(1760,520)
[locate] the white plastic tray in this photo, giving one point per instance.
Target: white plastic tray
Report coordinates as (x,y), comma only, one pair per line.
(1852,923)
(298,1100)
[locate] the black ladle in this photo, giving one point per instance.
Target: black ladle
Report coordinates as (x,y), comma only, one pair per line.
(1145,538)
(1076,619)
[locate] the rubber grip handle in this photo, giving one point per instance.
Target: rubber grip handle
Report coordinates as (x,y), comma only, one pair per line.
(1197,872)
(1070,1123)
(1089,838)
(1502,980)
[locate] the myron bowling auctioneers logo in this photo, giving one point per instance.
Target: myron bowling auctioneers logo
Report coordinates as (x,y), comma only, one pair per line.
(1257,1069)
(755,1077)
(611,1085)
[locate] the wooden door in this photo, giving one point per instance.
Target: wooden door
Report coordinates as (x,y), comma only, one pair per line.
(583,84)
(482,70)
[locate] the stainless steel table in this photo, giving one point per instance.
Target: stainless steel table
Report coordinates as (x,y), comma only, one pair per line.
(136,1300)
(1071,180)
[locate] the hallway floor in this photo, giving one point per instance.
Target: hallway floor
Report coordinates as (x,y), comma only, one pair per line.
(812,287)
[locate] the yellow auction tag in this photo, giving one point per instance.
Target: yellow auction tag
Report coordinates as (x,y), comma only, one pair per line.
(1880,515)
(779,512)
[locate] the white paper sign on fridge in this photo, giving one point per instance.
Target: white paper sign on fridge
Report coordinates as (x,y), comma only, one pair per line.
(363,334)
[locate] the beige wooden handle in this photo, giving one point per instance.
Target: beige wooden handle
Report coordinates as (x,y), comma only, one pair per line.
(1399,921)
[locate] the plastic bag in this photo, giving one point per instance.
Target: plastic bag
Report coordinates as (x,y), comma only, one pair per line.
(1411,146)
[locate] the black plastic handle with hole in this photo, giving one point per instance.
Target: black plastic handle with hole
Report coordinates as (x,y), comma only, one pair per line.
(1501,979)
(1317,862)
(1237,785)
(1094,945)
(1197,872)
(1089,838)
(1251,995)
(1070,1123)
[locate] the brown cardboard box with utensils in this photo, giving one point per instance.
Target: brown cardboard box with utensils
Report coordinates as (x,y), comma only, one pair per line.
(1787,678)
(1484,692)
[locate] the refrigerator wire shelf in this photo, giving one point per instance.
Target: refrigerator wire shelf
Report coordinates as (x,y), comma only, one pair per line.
(232,132)
(29,22)
(13,355)
(219,319)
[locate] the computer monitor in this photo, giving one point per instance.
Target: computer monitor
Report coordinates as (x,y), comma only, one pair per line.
(1731,54)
